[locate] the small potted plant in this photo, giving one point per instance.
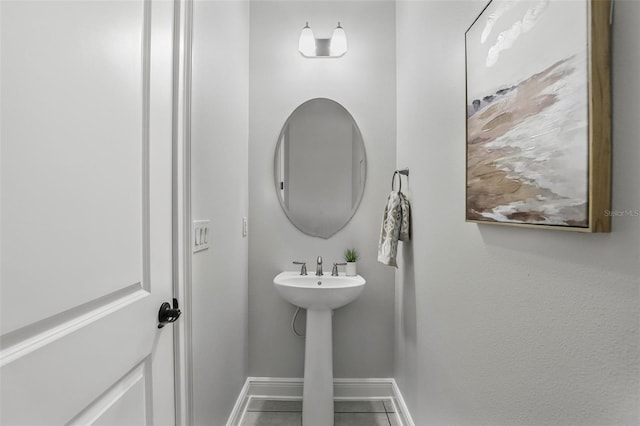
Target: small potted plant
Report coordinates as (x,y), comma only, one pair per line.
(351,256)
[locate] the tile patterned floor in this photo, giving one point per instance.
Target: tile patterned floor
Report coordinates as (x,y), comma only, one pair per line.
(272,412)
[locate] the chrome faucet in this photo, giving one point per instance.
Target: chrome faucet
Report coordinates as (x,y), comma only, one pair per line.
(319,266)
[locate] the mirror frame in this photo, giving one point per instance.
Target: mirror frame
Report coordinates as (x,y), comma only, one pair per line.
(276,178)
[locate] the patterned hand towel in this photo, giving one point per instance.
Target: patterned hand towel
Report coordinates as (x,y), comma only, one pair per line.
(395,226)
(405,226)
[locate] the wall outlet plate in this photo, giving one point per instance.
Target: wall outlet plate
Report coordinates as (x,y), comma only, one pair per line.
(200,235)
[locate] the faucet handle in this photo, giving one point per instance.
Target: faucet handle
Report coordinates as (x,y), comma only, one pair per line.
(334,271)
(319,260)
(303,270)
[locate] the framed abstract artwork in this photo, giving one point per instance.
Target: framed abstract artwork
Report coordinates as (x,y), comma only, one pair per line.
(538,115)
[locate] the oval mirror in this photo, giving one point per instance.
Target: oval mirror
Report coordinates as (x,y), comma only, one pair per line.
(320,167)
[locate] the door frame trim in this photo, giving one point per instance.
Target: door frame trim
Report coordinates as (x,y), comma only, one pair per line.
(183,368)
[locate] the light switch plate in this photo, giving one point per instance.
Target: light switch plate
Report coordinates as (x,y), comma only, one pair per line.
(200,235)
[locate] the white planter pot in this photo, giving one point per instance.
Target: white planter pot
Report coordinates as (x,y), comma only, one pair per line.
(350,269)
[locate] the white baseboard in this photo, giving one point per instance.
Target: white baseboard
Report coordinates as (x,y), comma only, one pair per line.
(291,388)
(235,418)
(275,386)
(401,406)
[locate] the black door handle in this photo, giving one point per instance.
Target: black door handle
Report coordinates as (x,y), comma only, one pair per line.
(167,314)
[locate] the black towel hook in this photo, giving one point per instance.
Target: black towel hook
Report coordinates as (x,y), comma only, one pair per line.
(393,181)
(398,173)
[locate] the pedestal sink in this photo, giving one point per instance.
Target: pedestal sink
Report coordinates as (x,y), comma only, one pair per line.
(319,295)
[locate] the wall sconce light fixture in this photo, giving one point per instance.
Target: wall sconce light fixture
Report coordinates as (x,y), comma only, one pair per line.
(312,47)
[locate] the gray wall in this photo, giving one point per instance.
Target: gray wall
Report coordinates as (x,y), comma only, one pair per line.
(363,81)
(220,111)
(499,325)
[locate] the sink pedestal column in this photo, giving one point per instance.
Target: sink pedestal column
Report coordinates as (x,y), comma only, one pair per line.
(317,397)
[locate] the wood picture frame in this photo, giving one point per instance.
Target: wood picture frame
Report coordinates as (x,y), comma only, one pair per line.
(538,115)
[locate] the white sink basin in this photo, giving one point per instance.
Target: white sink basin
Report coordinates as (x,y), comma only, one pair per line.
(324,292)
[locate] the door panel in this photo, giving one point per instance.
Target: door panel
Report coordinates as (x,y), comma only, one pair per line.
(121,405)
(86,212)
(53,383)
(72,123)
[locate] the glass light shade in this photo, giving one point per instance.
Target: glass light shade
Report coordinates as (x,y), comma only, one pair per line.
(307,42)
(338,42)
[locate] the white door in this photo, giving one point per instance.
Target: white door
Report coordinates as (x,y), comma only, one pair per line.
(86,256)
